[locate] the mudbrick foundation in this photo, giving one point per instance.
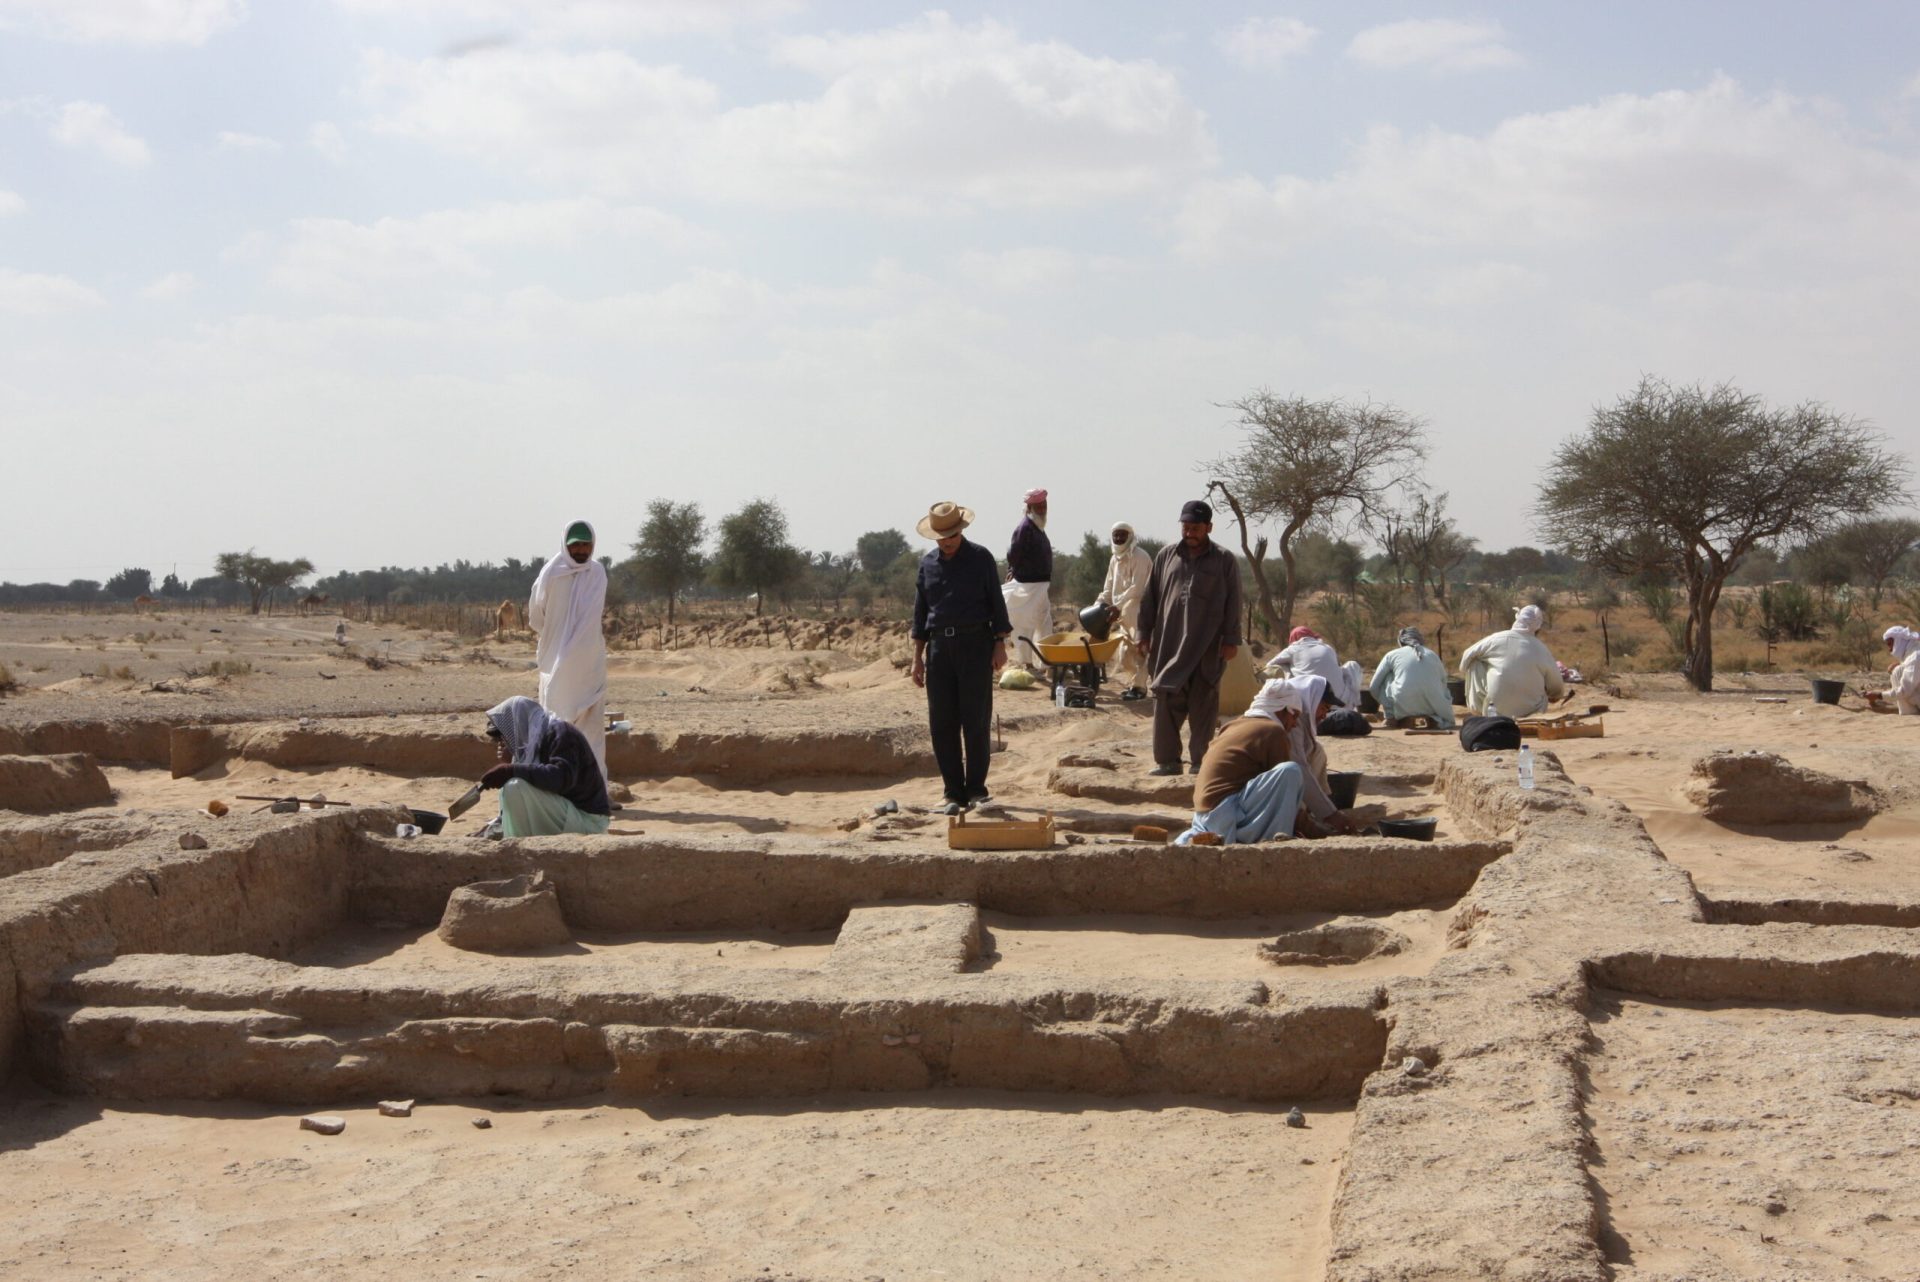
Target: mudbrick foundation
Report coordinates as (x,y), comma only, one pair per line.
(133,967)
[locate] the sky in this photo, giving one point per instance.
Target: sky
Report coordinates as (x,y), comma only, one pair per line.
(398,282)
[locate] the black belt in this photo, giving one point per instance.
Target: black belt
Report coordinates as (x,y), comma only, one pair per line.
(959,630)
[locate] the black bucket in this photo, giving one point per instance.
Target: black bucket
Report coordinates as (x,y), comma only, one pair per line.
(1368,703)
(1343,786)
(1409,829)
(1828,691)
(429,822)
(1097,619)
(1457,688)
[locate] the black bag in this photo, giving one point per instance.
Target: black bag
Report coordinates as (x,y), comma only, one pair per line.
(1344,723)
(1485,734)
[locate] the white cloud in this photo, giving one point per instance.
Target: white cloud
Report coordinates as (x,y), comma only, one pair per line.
(582,19)
(91,126)
(1440,44)
(37,294)
(325,137)
(1266,43)
(11,203)
(1713,157)
(349,262)
(190,22)
(234,140)
(172,285)
(915,116)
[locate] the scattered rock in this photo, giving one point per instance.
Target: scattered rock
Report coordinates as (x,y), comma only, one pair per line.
(1295,1117)
(1413,1066)
(482,1123)
(216,807)
(323,1123)
(1150,832)
(1340,942)
(849,825)
(494,916)
(1764,788)
(887,807)
(396,1108)
(891,1039)
(619,792)
(1206,839)
(192,841)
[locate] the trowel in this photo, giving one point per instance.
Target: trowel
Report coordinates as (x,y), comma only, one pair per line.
(468,800)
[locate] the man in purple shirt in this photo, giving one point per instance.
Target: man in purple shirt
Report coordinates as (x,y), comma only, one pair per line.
(1029,574)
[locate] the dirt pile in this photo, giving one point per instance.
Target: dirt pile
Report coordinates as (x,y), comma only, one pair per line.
(1342,941)
(862,638)
(501,916)
(42,785)
(1764,788)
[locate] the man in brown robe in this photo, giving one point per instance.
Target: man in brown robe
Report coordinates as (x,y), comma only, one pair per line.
(1189,628)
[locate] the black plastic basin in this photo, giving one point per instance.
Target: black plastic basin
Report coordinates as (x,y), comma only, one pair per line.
(1343,786)
(1827,691)
(1409,829)
(430,822)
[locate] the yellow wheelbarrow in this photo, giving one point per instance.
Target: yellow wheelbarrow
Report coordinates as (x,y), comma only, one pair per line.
(1076,665)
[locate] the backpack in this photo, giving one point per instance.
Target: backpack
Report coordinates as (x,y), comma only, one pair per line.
(1485,734)
(1343,724)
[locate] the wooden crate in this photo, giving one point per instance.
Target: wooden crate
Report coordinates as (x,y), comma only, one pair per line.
(1000,834)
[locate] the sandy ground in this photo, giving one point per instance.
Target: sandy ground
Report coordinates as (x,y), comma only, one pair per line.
(949,1185)
(1702,1117)
(1745,1142)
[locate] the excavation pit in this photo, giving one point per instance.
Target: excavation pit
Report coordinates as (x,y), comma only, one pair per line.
(1753,1141)
(1145,947)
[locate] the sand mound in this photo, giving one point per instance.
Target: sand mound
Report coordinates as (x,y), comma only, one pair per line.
(1337,943)
(501,916)
(40,785)
(1764,788)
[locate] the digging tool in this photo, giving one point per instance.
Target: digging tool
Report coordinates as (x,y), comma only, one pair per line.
(291,803)
(468,800)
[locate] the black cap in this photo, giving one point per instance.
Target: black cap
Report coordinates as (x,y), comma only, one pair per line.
(1193,510)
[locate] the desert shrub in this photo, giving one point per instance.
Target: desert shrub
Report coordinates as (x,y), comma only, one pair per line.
(7,682)
(1625,645)
(1787,613)
(1732,661)
(1660,601)
(1341,623)
(1738,608)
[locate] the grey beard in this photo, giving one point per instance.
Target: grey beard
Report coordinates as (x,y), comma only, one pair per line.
(1038,519)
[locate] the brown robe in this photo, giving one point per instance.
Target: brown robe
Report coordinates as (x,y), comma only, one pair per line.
(1190,609)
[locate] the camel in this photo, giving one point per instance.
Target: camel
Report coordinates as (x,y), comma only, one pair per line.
(507,619)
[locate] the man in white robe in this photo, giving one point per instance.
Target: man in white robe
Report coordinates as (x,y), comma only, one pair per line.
(565,608)
(1308,655)
(1127,575)
(1903,677)
(1512,673)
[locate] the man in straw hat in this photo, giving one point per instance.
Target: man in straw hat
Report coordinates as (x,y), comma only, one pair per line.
(959,641)
(565,608)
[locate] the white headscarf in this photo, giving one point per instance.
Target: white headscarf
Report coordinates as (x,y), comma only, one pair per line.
(1117,527)
(523,724)
(1528,618)
(1903,641)
(1275,697)
(573,673)
(1313,692)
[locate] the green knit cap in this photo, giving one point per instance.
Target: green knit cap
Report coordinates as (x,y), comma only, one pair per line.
(579,532)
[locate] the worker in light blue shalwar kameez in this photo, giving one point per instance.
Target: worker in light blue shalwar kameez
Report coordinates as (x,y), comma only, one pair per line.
(1250,788)
(1412,682)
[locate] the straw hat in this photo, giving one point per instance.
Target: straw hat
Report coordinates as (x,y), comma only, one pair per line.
(943,519)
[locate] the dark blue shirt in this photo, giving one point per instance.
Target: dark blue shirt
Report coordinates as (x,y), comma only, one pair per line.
(565,766)
(1030,555)
(962,591)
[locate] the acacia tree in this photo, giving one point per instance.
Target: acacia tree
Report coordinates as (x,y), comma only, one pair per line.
(667,558)
(1872,548)
(754,552)
(260,575)
(1696,477)
(1430,544)
(1309,465)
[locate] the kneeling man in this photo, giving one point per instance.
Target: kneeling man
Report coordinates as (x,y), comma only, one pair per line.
(1251,786)
(548,778)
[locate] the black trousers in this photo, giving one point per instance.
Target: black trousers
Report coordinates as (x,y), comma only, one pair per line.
(960,709)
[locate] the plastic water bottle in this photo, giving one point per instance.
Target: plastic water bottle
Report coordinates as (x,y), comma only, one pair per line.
(1526,768)
(620,727)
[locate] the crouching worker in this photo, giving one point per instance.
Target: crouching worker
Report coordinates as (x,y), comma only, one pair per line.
(548,778)
(1251,786)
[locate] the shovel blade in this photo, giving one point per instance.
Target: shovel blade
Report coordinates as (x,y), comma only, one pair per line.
(468,800)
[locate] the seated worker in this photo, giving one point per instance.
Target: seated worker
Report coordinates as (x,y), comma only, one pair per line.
(1252,786)
(1307,655)
(1903,678)
(548,777)
(1412,682)
(1512,673)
